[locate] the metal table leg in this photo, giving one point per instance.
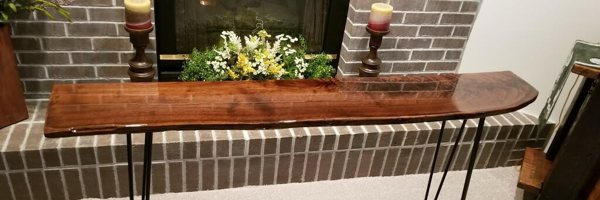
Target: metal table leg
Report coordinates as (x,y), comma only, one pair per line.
(451,156)
(129,166)
(147,166)
(437,149)
(473,157)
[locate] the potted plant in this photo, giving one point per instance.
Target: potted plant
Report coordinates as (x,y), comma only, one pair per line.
(256,57)
(12,101)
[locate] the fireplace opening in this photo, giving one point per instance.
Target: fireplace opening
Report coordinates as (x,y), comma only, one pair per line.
(186,24)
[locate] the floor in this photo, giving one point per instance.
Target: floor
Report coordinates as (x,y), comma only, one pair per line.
(488,184)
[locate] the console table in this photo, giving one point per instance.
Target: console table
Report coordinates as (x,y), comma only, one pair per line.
(125,108)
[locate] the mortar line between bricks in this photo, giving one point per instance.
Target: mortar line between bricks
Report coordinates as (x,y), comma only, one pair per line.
(333,156)
(72,37)
(320,149)
(75,51)
(374,151)
(405,50)
(292,152)
(306,150)
(429,132)
(417,36)
(100,165)
(372,148)
(410,155)
(362,150)
(347,151)
(22,155)
(410,11)
(247,152)
(435,12)
(183,164)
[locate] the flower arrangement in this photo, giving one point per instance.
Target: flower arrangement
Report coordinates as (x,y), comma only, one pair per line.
(255,58)
(8,8)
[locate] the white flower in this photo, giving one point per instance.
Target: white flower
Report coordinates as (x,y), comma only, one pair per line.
(251,42)
(232,39)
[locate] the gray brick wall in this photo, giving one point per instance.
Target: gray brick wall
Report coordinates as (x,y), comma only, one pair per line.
(94,48)
(427,36)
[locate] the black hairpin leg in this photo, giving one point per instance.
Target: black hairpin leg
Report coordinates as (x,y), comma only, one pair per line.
(147,166)
(450,157)
(437,149)
(129,166)
(473,157)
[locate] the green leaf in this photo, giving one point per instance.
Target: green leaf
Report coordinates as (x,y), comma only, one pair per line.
(64,13)
(45,12)
(4,16)
(12,6)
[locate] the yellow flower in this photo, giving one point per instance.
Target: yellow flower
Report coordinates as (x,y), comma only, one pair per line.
(265,53)
(263,34)
(244,64)
(273,68)
(232,74)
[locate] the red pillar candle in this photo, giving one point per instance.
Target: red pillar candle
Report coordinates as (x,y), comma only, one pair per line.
(380,17)
(137,14)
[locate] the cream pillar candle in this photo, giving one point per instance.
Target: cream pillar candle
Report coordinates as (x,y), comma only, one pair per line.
(137,14)
(380,17)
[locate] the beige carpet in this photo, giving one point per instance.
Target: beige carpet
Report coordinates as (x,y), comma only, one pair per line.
(486,184)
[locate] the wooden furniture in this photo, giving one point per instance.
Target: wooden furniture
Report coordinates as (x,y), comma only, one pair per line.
(576,168)
(140,66)
(533,171)
(12,101)
(595,195)
(122,108)
(371,63)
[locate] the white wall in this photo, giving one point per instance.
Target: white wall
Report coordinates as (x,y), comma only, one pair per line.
(532,38)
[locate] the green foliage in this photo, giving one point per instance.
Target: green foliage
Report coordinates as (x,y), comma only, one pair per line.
(197,68)
(255,57)
(318,67)
(9,8)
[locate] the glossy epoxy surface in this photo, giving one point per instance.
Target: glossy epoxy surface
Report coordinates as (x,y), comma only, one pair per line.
(87,109)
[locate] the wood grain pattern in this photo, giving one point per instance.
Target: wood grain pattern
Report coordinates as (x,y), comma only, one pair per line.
(86,109)
(586,71)
(12,101)
(595,195)
(533,171)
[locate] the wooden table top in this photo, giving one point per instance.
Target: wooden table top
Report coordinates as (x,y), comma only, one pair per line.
(108,108)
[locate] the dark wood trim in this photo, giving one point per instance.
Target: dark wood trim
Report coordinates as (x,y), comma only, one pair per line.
(587,71)
(165,28)
(577,166)
(572,114)
(336,24)
(87,109)
(12,100)
(534,169)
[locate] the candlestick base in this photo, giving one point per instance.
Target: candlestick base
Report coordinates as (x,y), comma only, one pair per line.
(140,67)
(371,63)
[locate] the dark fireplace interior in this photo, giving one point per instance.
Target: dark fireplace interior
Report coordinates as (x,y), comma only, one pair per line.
(187,24)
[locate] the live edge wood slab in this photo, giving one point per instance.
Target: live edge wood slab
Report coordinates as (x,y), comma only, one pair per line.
(92,109)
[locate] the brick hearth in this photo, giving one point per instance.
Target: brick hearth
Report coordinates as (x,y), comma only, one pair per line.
(96,166)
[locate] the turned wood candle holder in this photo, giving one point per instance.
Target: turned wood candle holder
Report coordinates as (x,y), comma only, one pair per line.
(371,63)
(140,66)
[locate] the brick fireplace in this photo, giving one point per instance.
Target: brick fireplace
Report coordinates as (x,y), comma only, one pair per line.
(427,37)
